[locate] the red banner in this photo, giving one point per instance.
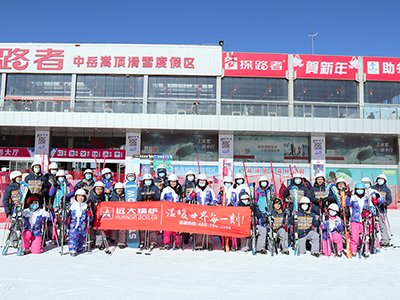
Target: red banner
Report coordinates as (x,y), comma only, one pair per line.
(255,64)
(16,152)
(325,67)
(382,68)
(178,217)
(87,153)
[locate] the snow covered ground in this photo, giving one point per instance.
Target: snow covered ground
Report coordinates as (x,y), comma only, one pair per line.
(200,275)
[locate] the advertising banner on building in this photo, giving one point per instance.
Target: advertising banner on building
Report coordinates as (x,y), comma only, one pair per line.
(87,153)
(357,150)
(111,59)
(354,175)
(171,216)
(255,64)
(265,169)
(382,68)
(271,148)
(7,152)
(325,67)
(182,146)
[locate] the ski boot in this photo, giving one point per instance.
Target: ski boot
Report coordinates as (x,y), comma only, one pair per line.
(122,245)
(102,247)
(316,254)
(285,252)
(263,251)
(73,253)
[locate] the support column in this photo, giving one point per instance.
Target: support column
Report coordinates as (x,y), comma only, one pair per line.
(361,86)
(73,92)
(132,147)
(218,94)
(145,93)
(42,144)
(3,90)
(317,164)
(225,157)
(290,77)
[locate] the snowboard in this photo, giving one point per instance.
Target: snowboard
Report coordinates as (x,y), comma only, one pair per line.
(132,238)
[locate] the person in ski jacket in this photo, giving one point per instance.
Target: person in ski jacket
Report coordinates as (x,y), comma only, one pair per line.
(231,198)
(361,213)
(87,182)
(307,223)
(261,221)
(172,193)
(162,180)
(108,181)
(96,196)
(38,183)
(60,187)
(303,190)
(323,195)
(118,196)
(262,193)
(148,192)
(239,185)
(280,219)
(80,215)
(33,218)
(189,185)
(12,193)
(202,195)
(332,226)
(51,178)
(385,192)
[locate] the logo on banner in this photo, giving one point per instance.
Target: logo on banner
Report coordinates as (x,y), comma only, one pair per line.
(373,67)
(231,63)
(106,213)
(297,61)
(353,64)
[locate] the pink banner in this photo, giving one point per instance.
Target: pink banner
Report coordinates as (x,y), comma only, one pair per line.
(16,152)
(382,68)
(87,153)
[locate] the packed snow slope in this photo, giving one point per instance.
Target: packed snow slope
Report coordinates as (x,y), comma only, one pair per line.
(200,275)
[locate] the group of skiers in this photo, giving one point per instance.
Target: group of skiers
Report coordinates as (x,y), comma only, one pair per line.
(320,217)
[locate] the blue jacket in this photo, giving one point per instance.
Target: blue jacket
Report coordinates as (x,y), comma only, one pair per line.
(303,192)
(38,184)
(357,206)
(385,192)
(307,221)
(152,193)
(203,196)
(320,192)
(280,219)
(157,182)
(187,187)
(230,197)
(117,198)
(95,199)
(170,195)
(78,214)
(33,220)
(87,185)
(12,192)
(58,193)
(333,224)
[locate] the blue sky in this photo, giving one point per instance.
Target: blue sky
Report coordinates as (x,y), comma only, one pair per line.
(367,28)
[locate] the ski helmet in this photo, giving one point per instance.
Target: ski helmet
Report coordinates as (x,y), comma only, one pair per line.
(15,174)
(53,166)
(366,179)
(305,200)
(88,171)
(80,192)
(244,195)
(359,185)
(239,176)
(32,198)
(172,177)
(189,173)
(263,178)
(296,175)
(333,206)
(60,173)
(36,163)
(227,179)
(382,176)
(98,184)
(341,179)
(105,171)
(278,200)
(202,177)
(119,185)
(131,173)
(147,177)
(320,175)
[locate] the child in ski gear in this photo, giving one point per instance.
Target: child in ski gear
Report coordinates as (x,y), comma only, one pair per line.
(80,215)
(32,229)
(331,228)
(172,194)
(261,195)
(106,175)
(303,190)
(307,222)
(361,213)
(162,180)
(239,184)
(38,183)
(202,195)
(118,196)
(12,194)
(96,196)
(261,230)
(148,192)
(323,195)
(230,194)
(279,219)
(130,176)
(383,191)
(87,182)
(187,188)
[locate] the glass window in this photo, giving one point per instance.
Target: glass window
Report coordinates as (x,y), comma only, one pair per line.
(39,85)
(316,90)
(383,92)
(109,86)
(259,89)
(190,87)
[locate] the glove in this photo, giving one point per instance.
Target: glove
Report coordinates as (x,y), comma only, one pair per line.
(377,195)
(193,194)
(365,213)
(8,216)
(56,185)
(263,219)
(348,193)
(326,218)
(375,201)
(268,213)
(221,192)
(89,213)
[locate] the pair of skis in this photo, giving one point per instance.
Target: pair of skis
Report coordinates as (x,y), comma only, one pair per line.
(295,197)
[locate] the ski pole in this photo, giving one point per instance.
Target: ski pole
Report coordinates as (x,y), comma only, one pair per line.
(273,177)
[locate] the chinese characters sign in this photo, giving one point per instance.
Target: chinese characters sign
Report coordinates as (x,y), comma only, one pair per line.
(111,59)
(171,216)
(16,152)
(87,153)
(382,68)
(325,67)
(255,64)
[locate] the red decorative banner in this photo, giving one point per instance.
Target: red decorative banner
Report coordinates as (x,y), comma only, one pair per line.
(325,67)
(255,64)
(170,216)
(39,98)
(87,153)
(16,152)
(382,68)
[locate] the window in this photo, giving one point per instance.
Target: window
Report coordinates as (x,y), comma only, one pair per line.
(382,92)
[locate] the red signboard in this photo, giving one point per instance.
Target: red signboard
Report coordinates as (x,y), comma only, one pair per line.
(87,153)
(382,68)
(325,67)
(255,64)
(16,152)
(33,98)
(171,216)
